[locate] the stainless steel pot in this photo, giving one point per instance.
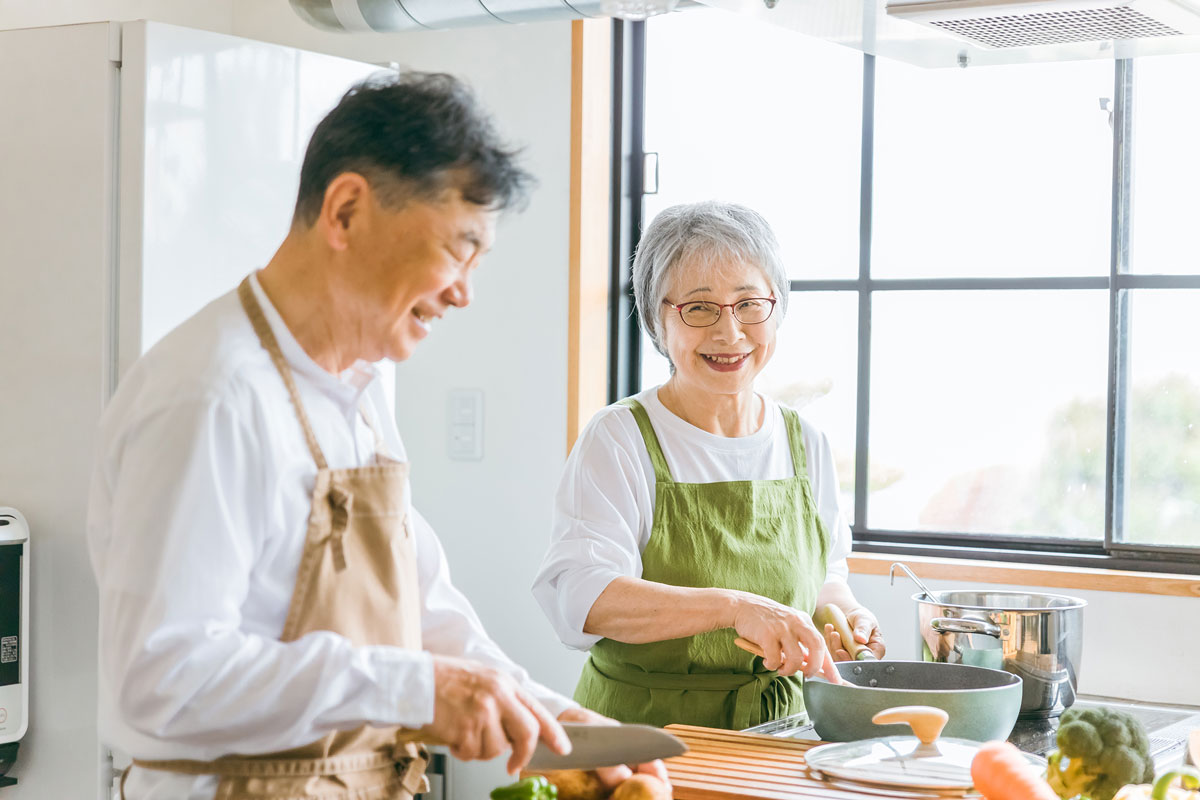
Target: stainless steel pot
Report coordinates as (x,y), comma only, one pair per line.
(1037,637)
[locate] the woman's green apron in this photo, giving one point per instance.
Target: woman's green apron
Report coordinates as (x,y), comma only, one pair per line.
(763,537)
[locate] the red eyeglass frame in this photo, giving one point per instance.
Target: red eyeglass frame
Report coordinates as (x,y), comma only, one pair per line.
(721,310)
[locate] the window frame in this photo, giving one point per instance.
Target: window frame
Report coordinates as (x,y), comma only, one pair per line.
(630,41)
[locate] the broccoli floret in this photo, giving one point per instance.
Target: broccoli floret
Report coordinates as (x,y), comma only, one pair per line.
(1099,751)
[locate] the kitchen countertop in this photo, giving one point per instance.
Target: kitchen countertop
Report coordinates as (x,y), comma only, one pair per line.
(1167,726)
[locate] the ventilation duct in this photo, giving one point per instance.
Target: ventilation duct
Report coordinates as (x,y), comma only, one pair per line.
(416,15)
(1029,23)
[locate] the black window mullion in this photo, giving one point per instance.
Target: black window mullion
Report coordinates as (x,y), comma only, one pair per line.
(865,207)
(1118,335)
(628,159)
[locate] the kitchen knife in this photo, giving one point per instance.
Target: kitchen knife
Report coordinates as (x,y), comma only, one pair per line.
(606,746)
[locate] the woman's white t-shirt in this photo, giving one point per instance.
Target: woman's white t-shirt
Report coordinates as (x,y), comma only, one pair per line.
(604,507)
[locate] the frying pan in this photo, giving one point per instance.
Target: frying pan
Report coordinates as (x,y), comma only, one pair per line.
(982,703)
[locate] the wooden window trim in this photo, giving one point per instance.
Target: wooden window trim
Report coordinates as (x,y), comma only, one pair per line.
(965,571)
(591,176)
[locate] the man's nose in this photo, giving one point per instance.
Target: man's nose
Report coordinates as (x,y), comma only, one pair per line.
(460,293)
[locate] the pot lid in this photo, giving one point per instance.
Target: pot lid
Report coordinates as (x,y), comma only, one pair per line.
(923,763)
(899,762)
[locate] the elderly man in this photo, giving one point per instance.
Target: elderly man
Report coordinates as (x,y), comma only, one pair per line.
(276,619)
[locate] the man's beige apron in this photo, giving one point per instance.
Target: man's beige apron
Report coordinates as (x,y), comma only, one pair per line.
(357,578)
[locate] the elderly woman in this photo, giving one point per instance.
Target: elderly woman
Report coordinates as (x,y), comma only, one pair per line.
(699,510)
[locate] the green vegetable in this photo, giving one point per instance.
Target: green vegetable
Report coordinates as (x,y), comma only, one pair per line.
(535,787)
(1099,751)
(1188,788)
(1188,779)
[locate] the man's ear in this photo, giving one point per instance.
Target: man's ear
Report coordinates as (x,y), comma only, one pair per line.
(345,204)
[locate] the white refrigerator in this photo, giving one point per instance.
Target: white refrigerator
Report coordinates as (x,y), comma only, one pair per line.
(144,169)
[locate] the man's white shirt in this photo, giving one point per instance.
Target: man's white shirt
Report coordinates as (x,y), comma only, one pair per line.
(199,505)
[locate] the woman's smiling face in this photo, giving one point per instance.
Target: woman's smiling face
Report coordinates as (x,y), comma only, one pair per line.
(726,357)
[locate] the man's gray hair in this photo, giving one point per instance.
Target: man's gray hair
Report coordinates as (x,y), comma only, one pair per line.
(702,235)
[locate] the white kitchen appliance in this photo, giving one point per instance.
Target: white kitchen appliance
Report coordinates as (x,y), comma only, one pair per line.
(14,636)
(1029,23)
(146,169)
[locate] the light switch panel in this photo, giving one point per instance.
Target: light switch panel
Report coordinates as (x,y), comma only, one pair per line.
(464,424)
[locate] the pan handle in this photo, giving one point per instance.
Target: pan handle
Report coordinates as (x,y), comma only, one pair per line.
(944,625)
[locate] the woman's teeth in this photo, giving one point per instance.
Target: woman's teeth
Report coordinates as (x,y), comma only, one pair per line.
(422,320)
(726,359)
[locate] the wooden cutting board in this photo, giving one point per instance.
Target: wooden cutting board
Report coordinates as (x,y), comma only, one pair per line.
(724,765)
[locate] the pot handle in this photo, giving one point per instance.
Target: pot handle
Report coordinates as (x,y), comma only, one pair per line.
(944,625)
(926,721)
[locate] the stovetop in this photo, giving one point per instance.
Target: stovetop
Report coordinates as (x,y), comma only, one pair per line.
(1167,726)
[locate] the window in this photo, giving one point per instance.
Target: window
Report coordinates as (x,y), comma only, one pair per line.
(765,128)
(1006,267)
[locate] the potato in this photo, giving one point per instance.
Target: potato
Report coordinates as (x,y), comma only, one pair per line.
(575,784)
(641,787)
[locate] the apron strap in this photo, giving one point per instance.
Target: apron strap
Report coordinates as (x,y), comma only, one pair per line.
(381,453)
(795,440)
(264,768)
(662,473)
(408,761)
(265,335)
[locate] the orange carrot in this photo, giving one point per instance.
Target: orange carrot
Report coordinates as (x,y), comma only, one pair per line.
(1000,772)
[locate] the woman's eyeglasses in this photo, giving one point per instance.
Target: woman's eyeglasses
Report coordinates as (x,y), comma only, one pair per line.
(701,313)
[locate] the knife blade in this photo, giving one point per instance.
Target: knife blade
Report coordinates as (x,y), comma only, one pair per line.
(595,746)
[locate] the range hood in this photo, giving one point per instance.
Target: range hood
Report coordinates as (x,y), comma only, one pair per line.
(390,16)
(1030,23)
(927,33)
(948,33)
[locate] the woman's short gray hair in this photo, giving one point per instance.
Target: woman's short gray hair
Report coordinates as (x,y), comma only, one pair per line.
(702,234)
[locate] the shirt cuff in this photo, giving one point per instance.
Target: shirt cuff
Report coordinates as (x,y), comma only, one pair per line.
(554,702)
(407,687)
(838,571)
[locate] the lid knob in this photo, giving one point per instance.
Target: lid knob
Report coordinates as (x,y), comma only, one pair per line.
(926,721)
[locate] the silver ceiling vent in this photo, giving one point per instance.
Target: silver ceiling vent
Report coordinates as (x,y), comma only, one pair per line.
(1027,23)
(416,15)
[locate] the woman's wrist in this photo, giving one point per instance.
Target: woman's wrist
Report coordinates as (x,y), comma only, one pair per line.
(727,602)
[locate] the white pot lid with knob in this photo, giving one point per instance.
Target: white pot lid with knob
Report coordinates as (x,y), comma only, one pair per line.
(921,765)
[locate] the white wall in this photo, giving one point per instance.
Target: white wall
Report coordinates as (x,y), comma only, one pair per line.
(210,15)
(1135,646)
(53,331)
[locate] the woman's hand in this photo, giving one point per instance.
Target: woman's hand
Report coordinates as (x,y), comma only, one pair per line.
(611,776)
(789,640)
(865,628)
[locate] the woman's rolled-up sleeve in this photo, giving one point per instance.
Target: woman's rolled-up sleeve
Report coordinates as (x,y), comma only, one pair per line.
(823,472)
(601,524)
